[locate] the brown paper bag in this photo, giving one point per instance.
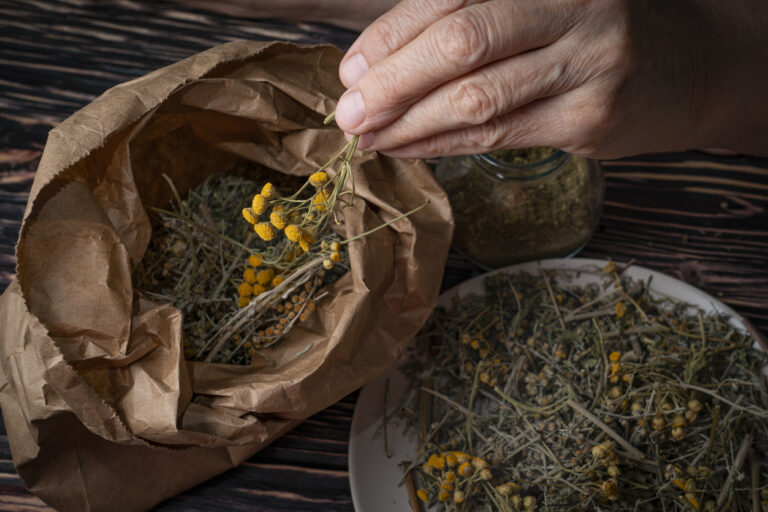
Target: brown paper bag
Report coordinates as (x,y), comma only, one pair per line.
(96,395)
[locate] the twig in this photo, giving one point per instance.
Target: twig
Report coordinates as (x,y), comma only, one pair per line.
(737,463)
(554,300)
(413,499)
(425,409)
(605,428)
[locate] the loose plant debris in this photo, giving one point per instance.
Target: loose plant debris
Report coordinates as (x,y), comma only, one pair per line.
(550,396)
(246,261)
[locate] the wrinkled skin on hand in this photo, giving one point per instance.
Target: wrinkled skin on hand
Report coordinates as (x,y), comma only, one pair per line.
(598,78)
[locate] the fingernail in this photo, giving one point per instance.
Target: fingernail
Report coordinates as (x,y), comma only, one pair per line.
(350,110)
(352,69)
(365,141)
(348,136)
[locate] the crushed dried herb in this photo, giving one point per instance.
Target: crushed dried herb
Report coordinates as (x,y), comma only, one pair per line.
(551,396)
(521,205)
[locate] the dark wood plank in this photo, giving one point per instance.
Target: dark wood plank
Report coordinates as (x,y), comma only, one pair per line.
(698,217)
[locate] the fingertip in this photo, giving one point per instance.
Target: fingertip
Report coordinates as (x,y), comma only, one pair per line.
(365,141)
(352,68)
(350,111)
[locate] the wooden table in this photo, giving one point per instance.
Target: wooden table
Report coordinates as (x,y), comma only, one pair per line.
(697,217)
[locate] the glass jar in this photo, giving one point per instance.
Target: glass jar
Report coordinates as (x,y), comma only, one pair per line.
(510,209)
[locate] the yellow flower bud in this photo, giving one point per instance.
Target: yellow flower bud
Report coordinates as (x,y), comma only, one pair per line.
(254,260)
(250,215)
(265,231)
(465,468)
(258,290)
(243,301)
(529,503)
(318,178)
(335,246)
(293,232)
(614,357)
(423,495)
(259,204)
(277,219)
(305,243)
(268,191)
(249,275)
(620,309)
(327,264)
(459,497)
(277,281)
(320,199)
(265,276)
(244,290)
(444,496)
(335,256)
(436,461)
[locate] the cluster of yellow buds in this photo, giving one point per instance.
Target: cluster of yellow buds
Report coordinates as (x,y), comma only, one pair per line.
(687,485)
(256,280)
(536,382)
(457,475)
(302,219)
(605,456)
(332,250)
(491,369)
(295,219)
(454,475)
(617,373)
(679,422)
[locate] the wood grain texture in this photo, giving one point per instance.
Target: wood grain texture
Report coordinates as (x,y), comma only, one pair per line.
(700,218)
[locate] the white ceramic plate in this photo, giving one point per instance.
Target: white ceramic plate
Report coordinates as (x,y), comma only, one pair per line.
(375,478)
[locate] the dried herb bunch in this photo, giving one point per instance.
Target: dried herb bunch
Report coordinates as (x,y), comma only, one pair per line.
(551,396)
(200,253)
(245,262)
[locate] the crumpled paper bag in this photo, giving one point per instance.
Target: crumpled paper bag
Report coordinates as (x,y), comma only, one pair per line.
(102,411)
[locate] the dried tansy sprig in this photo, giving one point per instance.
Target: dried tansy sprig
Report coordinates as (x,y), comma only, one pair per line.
(274,264)
(550,396)
(196,261)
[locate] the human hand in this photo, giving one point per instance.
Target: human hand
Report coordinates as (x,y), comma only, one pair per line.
(598,78)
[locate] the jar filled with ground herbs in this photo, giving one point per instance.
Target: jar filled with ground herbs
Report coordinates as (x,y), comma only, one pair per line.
(522,204)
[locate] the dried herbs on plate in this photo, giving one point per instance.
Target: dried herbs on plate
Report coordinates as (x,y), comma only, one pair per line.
(549,396)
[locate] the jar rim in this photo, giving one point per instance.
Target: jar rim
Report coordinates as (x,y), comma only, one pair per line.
(522,172)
